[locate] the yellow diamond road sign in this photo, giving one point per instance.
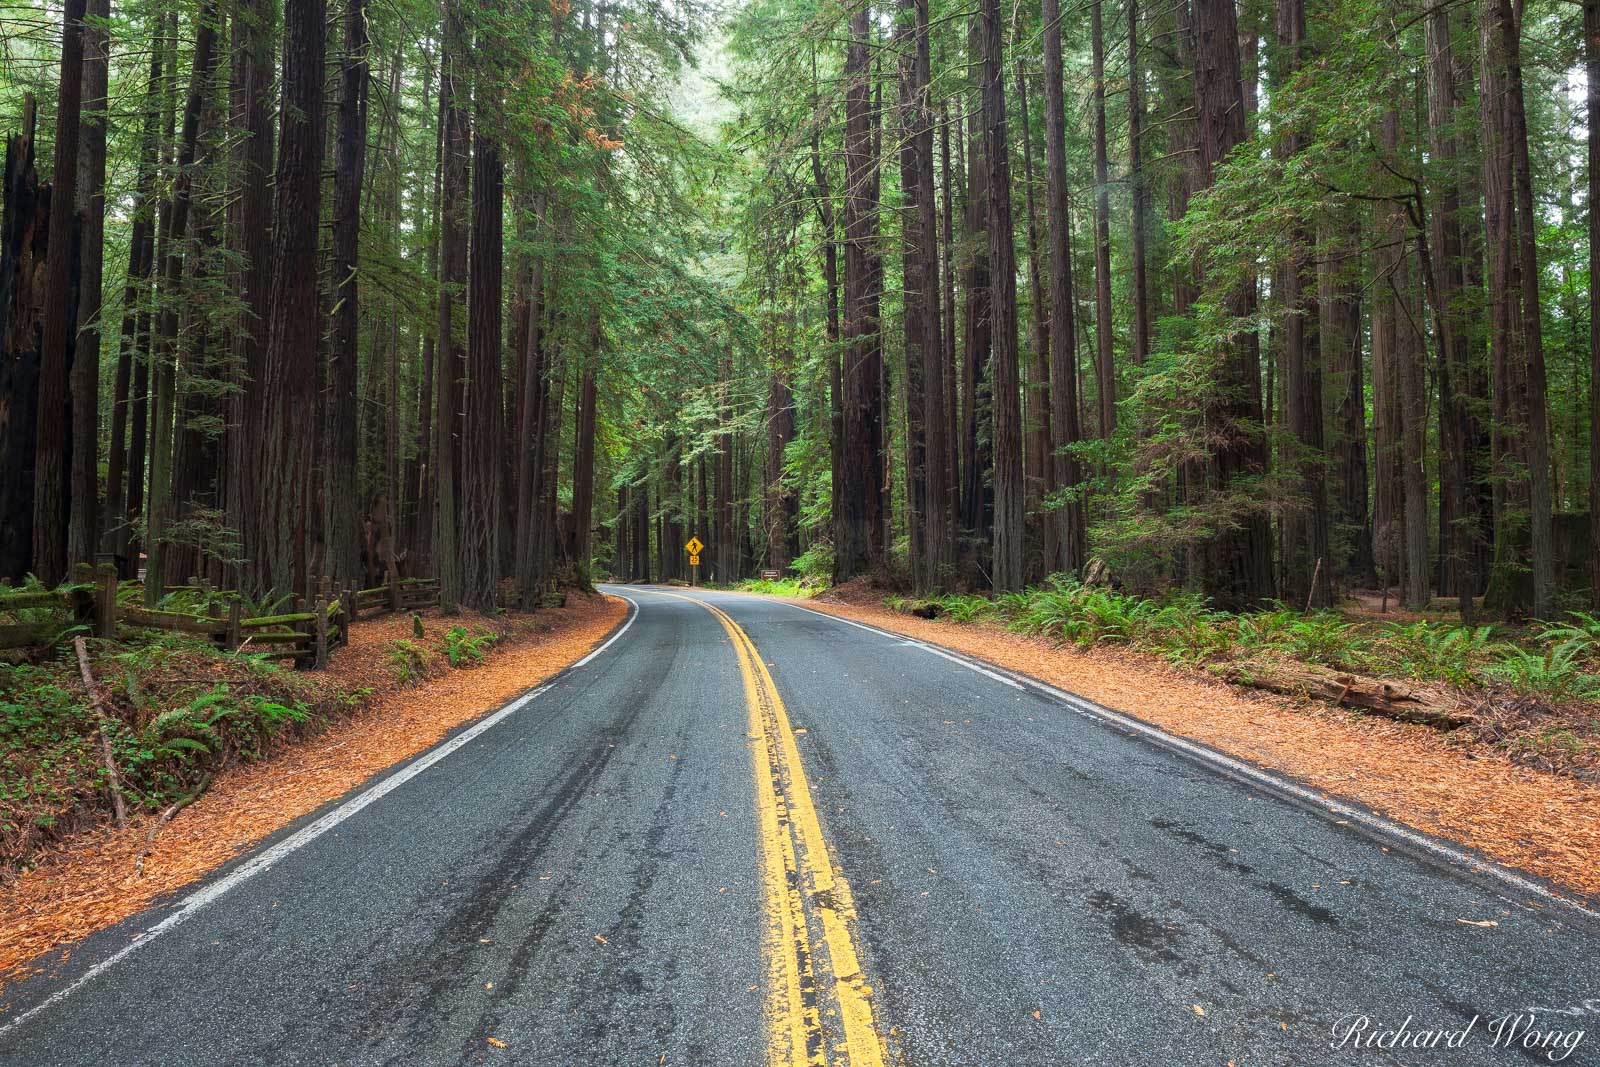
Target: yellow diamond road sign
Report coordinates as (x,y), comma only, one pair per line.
(694,546)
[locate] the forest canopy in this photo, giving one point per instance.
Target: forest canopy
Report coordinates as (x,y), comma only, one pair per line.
(1264,299)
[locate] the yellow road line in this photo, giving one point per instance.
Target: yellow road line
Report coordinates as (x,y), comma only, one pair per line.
(799,880)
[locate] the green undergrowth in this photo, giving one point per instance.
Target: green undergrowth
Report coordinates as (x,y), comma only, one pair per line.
(1557,661)
(179,711)
(794,587)
(1554,665)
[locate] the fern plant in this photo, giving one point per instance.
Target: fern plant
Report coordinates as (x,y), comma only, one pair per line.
(465,648)
(1558,673)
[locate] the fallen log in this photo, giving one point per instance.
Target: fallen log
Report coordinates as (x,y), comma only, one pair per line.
(113,775)
(1372,695)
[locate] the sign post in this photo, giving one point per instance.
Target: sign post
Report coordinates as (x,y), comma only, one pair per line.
(693,548)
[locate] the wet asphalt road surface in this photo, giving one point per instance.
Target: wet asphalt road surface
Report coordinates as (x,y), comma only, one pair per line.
(581,883)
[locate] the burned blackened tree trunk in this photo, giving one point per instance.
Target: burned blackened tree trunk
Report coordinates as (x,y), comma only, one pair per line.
(284,471)
(480,512)
(342,522)
(1009,491)
(1064,428)
(24,230)
(50,471)
(859,540)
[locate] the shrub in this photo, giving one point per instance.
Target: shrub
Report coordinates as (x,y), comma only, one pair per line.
(409,660)
(1433,652)
(1558,672)
(465,648)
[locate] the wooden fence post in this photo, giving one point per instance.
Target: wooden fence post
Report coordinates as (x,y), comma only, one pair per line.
(234,639)
(105,601)
(394,590)
(348,598)
(321,612)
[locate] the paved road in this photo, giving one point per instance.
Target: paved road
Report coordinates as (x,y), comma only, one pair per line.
(745,833)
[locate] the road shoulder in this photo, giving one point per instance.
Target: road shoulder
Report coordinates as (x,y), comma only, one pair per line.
(96,879)
(1542,823)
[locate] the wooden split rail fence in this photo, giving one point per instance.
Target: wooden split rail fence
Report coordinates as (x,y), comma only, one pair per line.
(305,636)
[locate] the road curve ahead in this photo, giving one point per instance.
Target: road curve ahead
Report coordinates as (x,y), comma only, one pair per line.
(747,833)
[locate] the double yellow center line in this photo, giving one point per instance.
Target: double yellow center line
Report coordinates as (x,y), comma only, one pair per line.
(819,1007)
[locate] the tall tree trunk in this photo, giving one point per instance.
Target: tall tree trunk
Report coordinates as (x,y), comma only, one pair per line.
(251,240)
(727,548)
(859,547)
(583,462)
(1307,568)
(1406,347)
(24,249)
(952,432)
(1039,465)
(164,345)
(1541,503)
(141,258)
(938,516)
(1138,187)
(977,492)
(916,316)
(480,512)
(50,466)
(83,534)
(1591,33)
(1458,513)
(1064,427)
(1340,285)
(1388,514)
(1236,561)
(1009,492)
(779,500)
(1105,368)
(284,468)
(342,493)
(454,149)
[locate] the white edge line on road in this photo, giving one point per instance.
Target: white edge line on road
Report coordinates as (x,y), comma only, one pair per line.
(199,899)
(1376,823)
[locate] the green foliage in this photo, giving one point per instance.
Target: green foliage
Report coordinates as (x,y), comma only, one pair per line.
(1430,651)
(965,607)
(815,564)
(465,648)
(793,587)
(408,659)
(1558,672)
